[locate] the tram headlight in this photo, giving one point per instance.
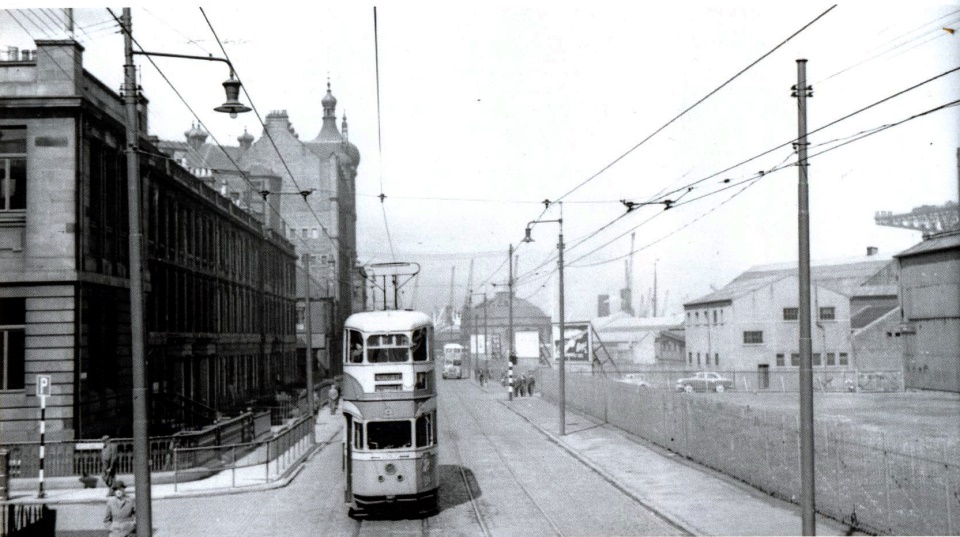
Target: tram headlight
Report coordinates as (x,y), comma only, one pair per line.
(390,469)
(380,478)
(425,465)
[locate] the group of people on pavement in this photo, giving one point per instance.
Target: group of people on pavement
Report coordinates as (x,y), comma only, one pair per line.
(523,385)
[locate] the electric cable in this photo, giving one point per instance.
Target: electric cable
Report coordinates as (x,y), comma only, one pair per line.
(694,105)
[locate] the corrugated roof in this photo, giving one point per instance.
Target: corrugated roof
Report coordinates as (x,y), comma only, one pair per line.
(943,241)
(845,276)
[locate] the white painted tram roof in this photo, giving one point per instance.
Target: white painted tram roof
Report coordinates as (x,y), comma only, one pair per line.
(387,321)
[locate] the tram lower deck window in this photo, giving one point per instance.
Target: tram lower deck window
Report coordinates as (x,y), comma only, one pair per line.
(389,435)
(425,430)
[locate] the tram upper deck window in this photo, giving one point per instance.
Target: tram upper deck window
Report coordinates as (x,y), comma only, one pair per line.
(419,347)
(355,344)
(389,434)
(387,348)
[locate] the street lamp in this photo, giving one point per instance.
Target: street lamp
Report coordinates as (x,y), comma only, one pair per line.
(141,438)
(562,359)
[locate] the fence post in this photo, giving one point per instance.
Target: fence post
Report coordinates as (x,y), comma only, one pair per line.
(175,469)
(233,467)
(5,475)
(266,465)
(946,487)
(886,480)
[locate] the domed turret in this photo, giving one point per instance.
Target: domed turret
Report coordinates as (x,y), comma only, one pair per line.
(329,132)
(195,136)
(329,102)
(245,139)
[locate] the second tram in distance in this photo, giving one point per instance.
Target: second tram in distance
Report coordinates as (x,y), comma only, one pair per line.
(452,361)
(390,412)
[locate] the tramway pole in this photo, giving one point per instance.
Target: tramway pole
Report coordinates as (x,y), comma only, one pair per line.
(807,488)
(562,353)
(511,353)
(141,434)
(486,333)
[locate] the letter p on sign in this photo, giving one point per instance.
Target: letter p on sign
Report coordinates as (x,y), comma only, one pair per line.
(43,385)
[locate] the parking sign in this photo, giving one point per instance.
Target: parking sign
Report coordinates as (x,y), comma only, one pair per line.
(43,385)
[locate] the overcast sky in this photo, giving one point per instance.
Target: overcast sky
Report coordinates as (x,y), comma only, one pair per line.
(490,108)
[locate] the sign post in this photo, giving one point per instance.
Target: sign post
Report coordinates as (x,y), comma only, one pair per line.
(43,390)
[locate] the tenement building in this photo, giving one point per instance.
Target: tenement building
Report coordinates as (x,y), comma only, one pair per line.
(305,190)
(220,284)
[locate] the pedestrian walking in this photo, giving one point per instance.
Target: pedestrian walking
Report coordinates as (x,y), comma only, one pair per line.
(531,380)
(121,517)
(334,396)
(108,462)
(522,385)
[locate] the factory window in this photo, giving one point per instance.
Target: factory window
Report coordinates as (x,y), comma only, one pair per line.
(816,358)
(781,361)
(843,358)
(791,314)
(753,337)
(831,358)
(13,169)
(827,314)
(795,359)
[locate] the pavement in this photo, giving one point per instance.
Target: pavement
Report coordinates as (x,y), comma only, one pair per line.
(249,477)
(697,499)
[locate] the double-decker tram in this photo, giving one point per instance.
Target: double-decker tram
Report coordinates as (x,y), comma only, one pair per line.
(452,361)
(390,455)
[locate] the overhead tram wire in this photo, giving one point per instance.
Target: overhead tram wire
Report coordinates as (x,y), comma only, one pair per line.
(382,196)
(753,180)
(681,114)
(938,29)
(30,17)
(190,40)
(818,129)
(242,174)
(694,105)
(334,240)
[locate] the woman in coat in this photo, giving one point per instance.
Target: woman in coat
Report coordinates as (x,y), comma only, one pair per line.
(121,513)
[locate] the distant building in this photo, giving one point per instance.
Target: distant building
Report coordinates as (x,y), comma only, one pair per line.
(930,287)
(752,324)
(633,340)
(486,325)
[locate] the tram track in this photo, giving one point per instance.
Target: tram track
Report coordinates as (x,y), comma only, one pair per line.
(505,464)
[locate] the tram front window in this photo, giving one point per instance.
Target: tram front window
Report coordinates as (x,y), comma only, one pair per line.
(387,348)
(389,435)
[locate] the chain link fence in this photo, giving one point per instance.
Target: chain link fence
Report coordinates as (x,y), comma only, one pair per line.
(877,481)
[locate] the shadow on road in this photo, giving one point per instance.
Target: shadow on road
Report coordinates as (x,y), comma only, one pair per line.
(457,487)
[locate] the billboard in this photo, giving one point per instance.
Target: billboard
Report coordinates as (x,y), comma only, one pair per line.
(578,340)
(527,344)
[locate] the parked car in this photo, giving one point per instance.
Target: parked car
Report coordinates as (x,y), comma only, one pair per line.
(705,381)
(636,379)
